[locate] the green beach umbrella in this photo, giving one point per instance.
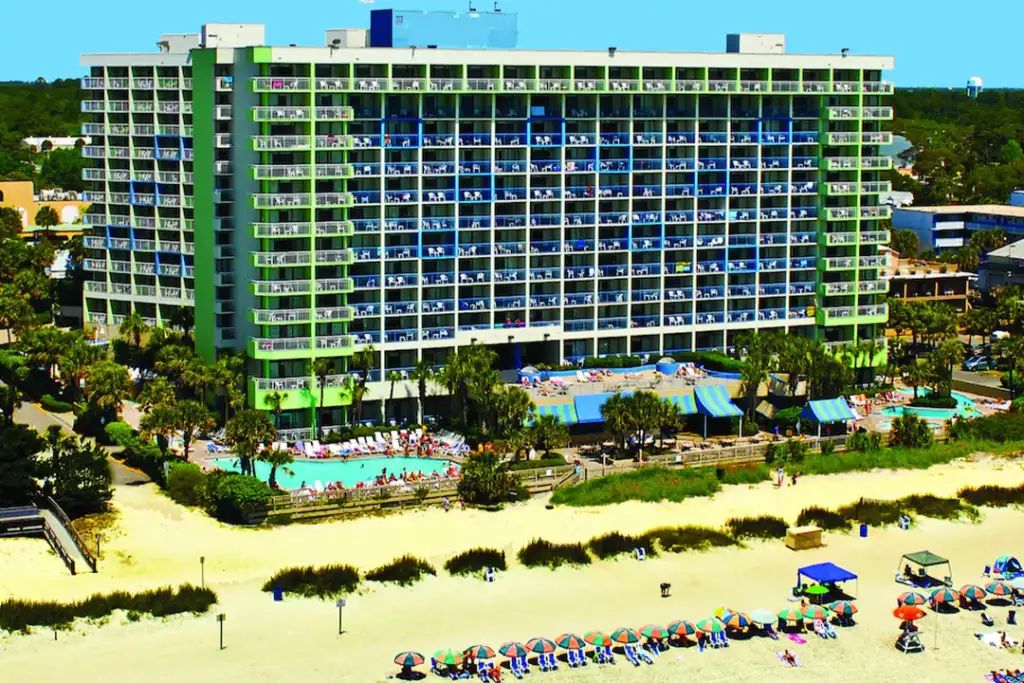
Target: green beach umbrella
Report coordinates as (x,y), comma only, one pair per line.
(626,636)
(570,641)
(791,614)
(597,638)
(478,652)
(816,589)
(944,595)
(843,608)
(813,612)
(654,631)
(409,659)
(682,628)
(1000,589)
(712,625)
(513,649)
(723,612)
(911,598)
(737,620)
(541,646)
(763,616)
(448,657)
(972,592)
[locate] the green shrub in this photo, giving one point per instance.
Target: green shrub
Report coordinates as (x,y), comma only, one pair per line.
(233,496)
(822,518)
(541,553)
(711,360)
(864,442)
(185,483)
(927,505)
(676,539)
(764,527)
(934,401)
(614,543)
(911,431)
(539,464)
(612,362)
(744,474)
(827,447)
(404,571)
(786,418)
(651,484)
(315,582)
(120,433)
(21,615)
(1000,427)
(993,496)
(475,560)
(52,405)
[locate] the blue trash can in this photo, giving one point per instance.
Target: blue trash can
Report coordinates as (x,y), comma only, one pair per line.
(278,594)
(863,530)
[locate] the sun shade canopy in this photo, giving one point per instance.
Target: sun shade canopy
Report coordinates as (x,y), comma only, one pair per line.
(828,411)
(925,558)
(588,406)
(825,572)
(714,400)
(687,403)
(565,412)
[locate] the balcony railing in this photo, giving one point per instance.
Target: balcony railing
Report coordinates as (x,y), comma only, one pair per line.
(284,384)
(282,287)
(280,142)
(282,113)
(282,259)
(279,83)
(281,172)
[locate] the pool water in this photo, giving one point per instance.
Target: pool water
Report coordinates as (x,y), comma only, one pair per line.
(348,473)
(964,408)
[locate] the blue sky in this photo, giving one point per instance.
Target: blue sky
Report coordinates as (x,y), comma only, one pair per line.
(932,42)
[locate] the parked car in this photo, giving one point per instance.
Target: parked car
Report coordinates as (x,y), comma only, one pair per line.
(976,363)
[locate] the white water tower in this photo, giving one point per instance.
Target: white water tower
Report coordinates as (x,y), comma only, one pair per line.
(975,85)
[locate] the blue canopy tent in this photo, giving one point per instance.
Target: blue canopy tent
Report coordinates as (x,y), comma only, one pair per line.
(588,406)
(827,411)
(714,400)
(824,573)
(686,402)
(565,412)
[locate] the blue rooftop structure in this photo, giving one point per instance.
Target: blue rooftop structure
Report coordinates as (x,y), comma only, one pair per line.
(422,28)
(588,406)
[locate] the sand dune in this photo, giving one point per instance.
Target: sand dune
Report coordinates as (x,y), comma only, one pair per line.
(157,543)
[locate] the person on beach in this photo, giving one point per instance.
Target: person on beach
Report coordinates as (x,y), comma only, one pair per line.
(781,475)
(788,658)
(446,504)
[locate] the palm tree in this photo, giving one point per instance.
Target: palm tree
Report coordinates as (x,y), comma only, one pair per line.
(393,377)
(53,437)
(510,407)
(245,432)
(645,414)
(916,375)
(421,373)
(616,419)
(193,418)
(549,432)
(363,360)
(320,368)
(107,386)
(10,399)
(155,392)
(1011,351)
(945,357)
(159,423)
(132,327)
(756,367)
(15,311)
(359,392)
(73,363)
(275,401)
(184,319)
(172,359)
(275,457)
(197,376)
(229,374)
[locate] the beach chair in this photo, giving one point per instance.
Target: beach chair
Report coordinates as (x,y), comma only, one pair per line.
(830,631)
(605,655)
(986,620)
(436,669)
(770,631)
(524,665)
(489,574)
(309,450)
(552,662)
(652,646)
(515,668)
(631,655)
(640,554)
(719,640)
(642,654)
(988,571)
(819,628)
(904,522)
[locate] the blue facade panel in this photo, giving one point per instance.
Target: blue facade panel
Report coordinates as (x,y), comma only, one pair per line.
(419,28)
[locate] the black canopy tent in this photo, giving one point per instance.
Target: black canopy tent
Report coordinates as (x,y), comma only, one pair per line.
(924,560)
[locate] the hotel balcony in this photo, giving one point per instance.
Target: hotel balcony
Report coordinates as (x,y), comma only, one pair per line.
(858,163)
(879,138)
(280,143)
(281,113)
(843,188)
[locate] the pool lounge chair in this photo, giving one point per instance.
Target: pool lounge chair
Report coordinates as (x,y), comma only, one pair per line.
(631,655)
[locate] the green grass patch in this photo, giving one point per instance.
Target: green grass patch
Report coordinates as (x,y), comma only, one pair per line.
(475,560)
(993,496)
(677,539)
(826,520)
(764,527)
(404,571)
(541,553)
(927,505)
(744,474)
(539,464)
(315,582)
(614,544)
(650,484)
(22,615)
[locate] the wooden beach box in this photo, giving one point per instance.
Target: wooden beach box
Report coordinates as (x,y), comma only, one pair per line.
(803,537)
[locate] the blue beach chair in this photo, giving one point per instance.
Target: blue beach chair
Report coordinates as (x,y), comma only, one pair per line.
(631,655)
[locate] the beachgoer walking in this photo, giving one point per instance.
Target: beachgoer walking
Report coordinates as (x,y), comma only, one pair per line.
(446,504)
(780,475)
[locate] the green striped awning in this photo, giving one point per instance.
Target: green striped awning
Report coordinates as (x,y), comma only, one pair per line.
(687,403)
(828,411)
(565,412)
(714,400)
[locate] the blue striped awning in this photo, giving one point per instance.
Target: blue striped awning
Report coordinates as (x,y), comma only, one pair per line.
(714,400)
(687,403)
(828,411)
(565,412)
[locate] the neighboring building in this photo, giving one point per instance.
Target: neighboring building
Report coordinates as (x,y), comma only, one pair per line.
(941,228)
(975,86)
(1017,198)
(554,205)
(897,199)
(21,196)
(36,144)
(917,280)
(1003,266)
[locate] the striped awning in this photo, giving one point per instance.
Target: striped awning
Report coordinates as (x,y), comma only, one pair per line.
(714,400)
(828,411)
(687,403)
(565,412)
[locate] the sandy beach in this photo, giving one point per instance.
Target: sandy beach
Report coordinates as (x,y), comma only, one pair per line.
(156,542)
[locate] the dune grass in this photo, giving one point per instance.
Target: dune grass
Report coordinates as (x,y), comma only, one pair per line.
(651,484)
(993,496)
(677,539)
(614,544)
(315,582)
(541,553)
(475,560)
(404,571)
(763,527)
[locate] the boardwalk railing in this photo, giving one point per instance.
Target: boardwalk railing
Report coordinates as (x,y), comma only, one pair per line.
(76,538)
(58,548)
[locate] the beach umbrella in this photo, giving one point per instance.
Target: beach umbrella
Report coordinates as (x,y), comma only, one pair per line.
(791,614)
(816,589)
(737,620)
(1018,583)
(409,659)
(513,649)
(816,612)
(911,598)
(723,612)
(541,645)
(597,638)
(941,595)
(763,616)
(449,657)
(972,592)
(712,625)
(908,613)
(478,652)
(682,628)
(1000,589)
(626,636)
(843,608)
(654,631)
(570,641)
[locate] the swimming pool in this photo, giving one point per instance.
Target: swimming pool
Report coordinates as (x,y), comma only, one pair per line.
(964,408)
(348,473)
